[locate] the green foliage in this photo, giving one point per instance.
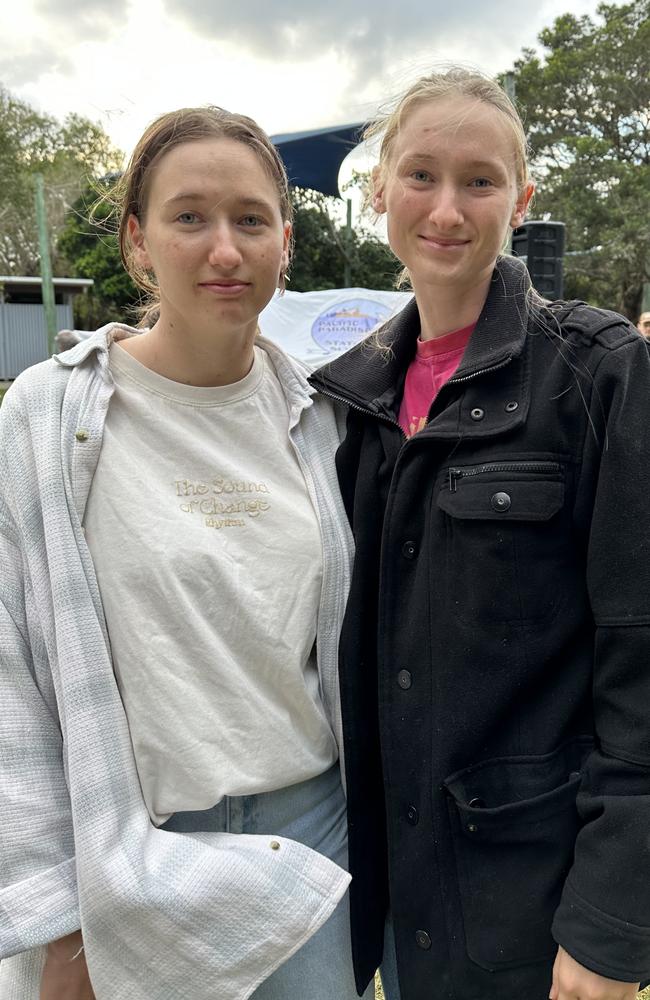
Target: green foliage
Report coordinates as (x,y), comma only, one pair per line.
(88,248)
(586,107)
(67,153)
(323,246)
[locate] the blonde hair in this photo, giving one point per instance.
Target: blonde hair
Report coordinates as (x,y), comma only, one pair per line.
(436,86)
(455,82)
(162,135)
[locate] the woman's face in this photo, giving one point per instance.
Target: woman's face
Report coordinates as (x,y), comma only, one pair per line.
(213,235)
(449,192)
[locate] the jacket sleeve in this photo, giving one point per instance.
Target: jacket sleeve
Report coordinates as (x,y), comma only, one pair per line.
(38,894)
(603,919)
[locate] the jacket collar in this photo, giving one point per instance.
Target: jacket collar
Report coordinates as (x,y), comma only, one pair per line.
(366,373)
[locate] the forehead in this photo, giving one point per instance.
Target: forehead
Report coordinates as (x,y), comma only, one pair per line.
(644,318)
(219,166)
(456,127)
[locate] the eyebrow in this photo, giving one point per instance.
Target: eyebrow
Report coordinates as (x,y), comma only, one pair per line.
(432,158)
(185,196)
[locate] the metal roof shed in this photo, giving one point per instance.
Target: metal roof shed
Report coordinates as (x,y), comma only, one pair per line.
(23,332)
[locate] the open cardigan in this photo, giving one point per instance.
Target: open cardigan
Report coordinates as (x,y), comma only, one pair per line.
(164,915)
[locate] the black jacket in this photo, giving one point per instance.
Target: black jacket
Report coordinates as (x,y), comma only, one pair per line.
(495,655)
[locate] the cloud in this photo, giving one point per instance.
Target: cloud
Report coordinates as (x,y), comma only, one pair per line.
(370,34)
(22,68)
(90,20)
(58,26)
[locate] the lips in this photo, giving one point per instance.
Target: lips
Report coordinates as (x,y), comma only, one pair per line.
(442,242)
(225,286)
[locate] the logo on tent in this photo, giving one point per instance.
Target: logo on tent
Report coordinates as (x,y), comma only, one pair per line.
(345,324)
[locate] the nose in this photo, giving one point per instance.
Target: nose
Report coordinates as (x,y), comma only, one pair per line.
(446,211)
(224,253)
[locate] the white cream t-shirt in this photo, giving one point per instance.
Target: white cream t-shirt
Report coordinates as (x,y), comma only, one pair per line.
(208,555)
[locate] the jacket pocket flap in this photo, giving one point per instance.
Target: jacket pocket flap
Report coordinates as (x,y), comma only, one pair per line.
(503,790)
(536,500)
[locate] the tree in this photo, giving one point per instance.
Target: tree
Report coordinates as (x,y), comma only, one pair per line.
(88,247)
(67,153)
(586,107)
(322,246)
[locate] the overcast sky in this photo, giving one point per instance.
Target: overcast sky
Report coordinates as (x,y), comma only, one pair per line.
(290,65)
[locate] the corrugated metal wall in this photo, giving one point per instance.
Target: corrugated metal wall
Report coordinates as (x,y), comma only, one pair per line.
(23,335)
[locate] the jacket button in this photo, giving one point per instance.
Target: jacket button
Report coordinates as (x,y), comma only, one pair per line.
(477,413)
(511,406)
(404,680)
(422,940)
(409,550)
(501,502)
(412,815)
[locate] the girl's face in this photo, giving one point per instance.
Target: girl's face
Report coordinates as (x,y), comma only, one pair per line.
(449,192)
(213,235)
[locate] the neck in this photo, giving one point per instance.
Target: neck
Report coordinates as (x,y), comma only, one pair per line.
(194,357)
(445,308)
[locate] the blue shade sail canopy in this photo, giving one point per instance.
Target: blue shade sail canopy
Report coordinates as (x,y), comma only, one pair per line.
(313,159)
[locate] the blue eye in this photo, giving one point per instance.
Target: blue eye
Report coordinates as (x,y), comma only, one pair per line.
(421,175)
(187,218)
(252,221)
(482,182)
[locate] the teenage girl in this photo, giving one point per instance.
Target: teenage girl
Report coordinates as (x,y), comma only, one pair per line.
(175,558)
(494,650)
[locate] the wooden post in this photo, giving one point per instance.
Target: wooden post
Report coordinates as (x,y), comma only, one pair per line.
(47,285)
(347,270)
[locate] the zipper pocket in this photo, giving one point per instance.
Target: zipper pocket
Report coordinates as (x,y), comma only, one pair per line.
(476,470)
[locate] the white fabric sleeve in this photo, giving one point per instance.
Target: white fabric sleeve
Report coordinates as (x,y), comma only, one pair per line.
(38,894)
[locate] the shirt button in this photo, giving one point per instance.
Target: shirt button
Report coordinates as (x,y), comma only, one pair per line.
(501,502)
(81,434)
(412,815)
(409,550)
(477,413)
(422,940)
(404,680)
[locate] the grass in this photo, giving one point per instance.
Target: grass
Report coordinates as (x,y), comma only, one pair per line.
(2,392)
(379,994)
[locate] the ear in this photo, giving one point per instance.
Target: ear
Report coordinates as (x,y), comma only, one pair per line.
(286,243)
(137,240)
(521,204)
(377,199)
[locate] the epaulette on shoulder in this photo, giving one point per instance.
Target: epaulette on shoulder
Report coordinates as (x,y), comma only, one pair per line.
(587,323)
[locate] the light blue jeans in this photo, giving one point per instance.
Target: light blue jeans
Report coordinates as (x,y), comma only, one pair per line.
(313,813)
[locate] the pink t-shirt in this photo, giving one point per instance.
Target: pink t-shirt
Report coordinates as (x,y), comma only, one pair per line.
(434,364)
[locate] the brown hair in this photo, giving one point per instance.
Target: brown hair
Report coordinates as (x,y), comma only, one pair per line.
(162,135)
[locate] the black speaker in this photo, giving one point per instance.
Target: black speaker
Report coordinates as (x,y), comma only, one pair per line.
(541,245)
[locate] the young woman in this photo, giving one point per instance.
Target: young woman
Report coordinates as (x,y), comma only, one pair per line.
(175,558)
(494,689)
